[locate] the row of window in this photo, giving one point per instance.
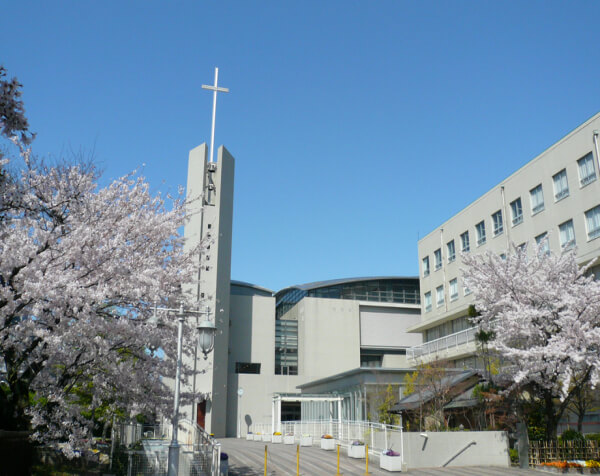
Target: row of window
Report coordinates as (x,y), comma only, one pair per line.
(440,295)
(566,234)
(587,174)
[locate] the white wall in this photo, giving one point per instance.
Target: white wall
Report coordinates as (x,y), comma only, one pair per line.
(329,337)
(386,326)
(490,448)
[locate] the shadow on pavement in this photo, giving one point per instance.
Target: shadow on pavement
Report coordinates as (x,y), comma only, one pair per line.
(235,470)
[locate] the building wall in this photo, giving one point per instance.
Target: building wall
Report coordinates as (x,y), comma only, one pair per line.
(329,337)
(385,326)
(562,155)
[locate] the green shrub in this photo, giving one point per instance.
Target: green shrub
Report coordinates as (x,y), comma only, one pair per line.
(571,435)
(536,433)
(514,455)
(593,436)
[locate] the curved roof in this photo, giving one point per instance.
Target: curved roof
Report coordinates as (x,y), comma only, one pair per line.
(251,286)
(334,282)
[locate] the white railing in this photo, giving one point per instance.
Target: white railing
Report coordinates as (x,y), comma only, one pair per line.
(452,341)
(377,435)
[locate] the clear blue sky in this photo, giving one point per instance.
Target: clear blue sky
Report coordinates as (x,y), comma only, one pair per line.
(357,126)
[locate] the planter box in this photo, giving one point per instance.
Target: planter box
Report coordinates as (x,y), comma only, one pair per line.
(327,444)
(288,440)
(257,437)
(266,438)
(356,451)
(306,441)
(390,463)
(277,439)
(249,437)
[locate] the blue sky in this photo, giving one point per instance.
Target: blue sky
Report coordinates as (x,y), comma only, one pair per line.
(357,126)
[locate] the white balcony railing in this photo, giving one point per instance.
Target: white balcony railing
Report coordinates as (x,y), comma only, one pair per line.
(443,343)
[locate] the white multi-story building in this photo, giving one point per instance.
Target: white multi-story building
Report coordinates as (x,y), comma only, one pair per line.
(555,196)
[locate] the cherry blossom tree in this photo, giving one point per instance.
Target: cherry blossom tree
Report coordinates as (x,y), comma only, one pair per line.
(543,314)
(81,267)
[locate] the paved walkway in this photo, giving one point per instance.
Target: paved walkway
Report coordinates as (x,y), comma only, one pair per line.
(246,458)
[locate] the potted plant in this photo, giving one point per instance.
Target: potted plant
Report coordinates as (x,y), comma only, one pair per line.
(390,460)
(257,436)
(277,437)
(306,440)
(249,436)
(356,449)
(327,442)
(288,439)
(266,438)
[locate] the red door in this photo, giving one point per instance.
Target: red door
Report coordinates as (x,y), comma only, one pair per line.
(200,413)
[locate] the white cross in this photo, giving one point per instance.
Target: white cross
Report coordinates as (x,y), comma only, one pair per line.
(215,89)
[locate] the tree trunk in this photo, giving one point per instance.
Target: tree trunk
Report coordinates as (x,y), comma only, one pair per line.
(16,453)
(580,416)
(551,416)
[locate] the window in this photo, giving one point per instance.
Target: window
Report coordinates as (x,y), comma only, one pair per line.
(498,223)
(592,219)
(453,289)
(451,251)
(371,359)
(437,254)
(466,290)
(517,211)
(247,368)
(537,199)
(428,301)
(480,229)
(567,235)
(439,295)
(587,171)
(543,243)
(464,242)
(561,186)
(426,266)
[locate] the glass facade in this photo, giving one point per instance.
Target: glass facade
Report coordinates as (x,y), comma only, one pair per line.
(397,290)
(286,347)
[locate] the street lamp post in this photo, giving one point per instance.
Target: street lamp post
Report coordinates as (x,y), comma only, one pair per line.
(206,340)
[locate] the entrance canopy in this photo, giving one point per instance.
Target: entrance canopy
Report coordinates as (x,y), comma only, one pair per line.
(314,407)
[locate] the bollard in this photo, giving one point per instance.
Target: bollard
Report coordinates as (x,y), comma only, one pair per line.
(297,460)
(367,456)
(338,461)
(265,460)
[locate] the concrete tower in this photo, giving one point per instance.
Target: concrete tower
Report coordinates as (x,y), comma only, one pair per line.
(211,185)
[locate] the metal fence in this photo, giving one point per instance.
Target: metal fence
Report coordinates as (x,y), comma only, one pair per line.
(146,450)
(376,435)
(554,450)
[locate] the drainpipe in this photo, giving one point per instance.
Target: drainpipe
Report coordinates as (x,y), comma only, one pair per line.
(505,218)
(596,146)
(444,267)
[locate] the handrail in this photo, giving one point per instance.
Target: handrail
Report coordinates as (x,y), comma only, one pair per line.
(344,431)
